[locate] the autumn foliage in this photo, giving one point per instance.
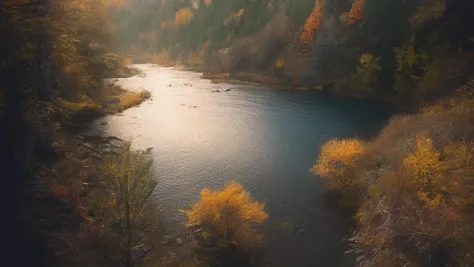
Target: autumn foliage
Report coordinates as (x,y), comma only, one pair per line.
(336,161)
(429,10)
(368,71)
(183,16)
(312,23)
(228,216)
(415,187)
(233,17)
(357,11)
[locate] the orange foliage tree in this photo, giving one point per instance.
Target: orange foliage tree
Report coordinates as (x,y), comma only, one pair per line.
(228,217)
(183,16)
(312,22)
(357,11)
(235,16)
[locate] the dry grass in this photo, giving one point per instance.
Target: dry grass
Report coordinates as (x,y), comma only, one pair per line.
(118,100)
(130,99)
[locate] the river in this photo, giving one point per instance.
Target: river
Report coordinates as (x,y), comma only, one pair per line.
(266,139)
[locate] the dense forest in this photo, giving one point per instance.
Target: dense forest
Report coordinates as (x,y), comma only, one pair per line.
(54,55)
(86,201)
(404,52)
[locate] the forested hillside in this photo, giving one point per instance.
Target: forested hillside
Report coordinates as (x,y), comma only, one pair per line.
(402,51)
(410,187)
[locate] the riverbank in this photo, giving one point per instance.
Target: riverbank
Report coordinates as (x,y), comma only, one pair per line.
(118,99)
(251,79)
(114,99)
(276,79)
(60,202)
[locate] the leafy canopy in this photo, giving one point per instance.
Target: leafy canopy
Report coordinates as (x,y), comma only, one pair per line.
(228,216)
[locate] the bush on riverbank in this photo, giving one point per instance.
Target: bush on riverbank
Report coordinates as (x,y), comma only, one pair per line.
(337,162)
(418,184)
(228,220)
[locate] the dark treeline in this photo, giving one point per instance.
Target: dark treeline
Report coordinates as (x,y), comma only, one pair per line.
(53,57)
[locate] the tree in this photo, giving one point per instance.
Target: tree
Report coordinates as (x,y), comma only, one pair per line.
(357,11)
(228,217)
(368,71)
(429,10)
(312,23)
(129,181)
(183,16)
(337,163)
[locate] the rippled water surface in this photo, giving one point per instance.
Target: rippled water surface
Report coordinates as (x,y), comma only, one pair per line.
(266,139)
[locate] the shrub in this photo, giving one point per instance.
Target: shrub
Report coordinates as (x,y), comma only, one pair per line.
(336,161)
(423,163)
(228,217)
(336,164)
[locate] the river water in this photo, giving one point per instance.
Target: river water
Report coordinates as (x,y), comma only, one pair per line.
(266,139)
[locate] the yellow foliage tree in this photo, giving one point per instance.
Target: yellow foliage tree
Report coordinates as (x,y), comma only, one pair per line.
(368,71)
(280,63)
(344,18)
(407,61)
(183,16)
(424,161)
(336,161)
(228,217)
